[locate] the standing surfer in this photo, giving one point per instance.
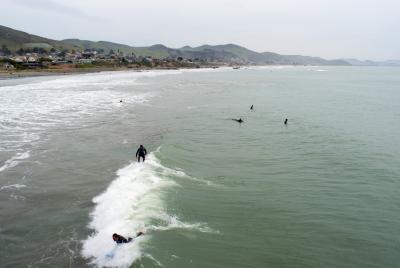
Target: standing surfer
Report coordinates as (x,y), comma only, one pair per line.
(141,153)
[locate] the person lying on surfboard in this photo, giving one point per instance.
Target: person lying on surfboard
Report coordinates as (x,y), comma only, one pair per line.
(240,120)
(119,239)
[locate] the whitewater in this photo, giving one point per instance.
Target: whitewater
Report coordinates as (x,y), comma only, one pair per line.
(133,202)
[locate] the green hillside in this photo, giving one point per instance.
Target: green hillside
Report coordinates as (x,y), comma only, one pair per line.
(300,60)
(15,40)
(229,53)
(156,51)
(100,45)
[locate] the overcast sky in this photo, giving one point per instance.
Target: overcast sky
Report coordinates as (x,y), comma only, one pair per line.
(364,29)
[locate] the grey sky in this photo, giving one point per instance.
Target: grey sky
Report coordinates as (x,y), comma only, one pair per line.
(365,29)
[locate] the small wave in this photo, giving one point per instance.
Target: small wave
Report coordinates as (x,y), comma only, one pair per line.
(272,67)
(178,172)
(154,260)
(317,70)
(12,186)
(13,196)
(171,222)
(13,161)
(132,202)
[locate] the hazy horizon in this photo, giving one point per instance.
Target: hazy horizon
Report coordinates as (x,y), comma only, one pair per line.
(343,29)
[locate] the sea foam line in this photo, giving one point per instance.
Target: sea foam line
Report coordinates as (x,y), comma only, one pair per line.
(12,186)
(13,161)
(132,202)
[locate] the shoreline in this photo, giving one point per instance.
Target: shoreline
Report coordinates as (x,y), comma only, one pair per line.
(5,75)
(15,74)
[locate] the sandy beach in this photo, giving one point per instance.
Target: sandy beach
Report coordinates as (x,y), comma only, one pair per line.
(9,74)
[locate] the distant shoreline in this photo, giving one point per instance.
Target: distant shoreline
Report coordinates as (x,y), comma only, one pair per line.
(14,74)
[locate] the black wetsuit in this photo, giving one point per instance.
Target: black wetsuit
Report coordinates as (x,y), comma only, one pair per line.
(122,240)
(141,153)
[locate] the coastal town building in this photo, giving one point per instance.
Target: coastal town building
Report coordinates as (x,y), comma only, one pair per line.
(59,59)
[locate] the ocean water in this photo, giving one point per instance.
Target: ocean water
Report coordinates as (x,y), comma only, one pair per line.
(322,191)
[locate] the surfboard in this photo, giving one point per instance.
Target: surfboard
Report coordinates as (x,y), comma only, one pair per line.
(111,254)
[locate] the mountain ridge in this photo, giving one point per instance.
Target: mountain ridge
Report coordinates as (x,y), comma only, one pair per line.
(229,53)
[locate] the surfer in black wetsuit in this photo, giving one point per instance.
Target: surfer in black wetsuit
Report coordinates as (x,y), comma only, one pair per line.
(141,153)
(238,120)
(119,239)
(252,106)
(286,120)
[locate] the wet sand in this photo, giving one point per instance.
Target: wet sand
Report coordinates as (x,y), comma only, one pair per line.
(46,72)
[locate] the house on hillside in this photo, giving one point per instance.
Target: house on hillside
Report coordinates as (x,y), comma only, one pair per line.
(32,63)
(73,57)
(130,59)
(87,54)
(19,59)
(32,59)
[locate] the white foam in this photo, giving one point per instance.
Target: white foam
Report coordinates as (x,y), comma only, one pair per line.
(317,70)
(30,108)
(272,67)
(13,196)
(12,186)
(173,222)
(27,110)
(133,202)
(15,160)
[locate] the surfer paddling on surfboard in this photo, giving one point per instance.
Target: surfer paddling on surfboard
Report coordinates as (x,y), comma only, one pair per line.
(240,120)
(119,239)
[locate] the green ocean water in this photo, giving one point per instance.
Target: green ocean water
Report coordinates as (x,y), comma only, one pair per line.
(322,191)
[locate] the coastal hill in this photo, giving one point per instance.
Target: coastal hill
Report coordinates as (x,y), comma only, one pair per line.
(14,40)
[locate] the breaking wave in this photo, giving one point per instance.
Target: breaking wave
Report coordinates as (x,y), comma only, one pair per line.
(133,202)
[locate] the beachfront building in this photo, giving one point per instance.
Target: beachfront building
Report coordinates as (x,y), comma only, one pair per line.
(87,54)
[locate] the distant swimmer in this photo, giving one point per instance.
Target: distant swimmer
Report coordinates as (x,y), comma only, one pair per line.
(119,239)
(120,100)
(252,106)
(286,120)
(238,120)
(141,153)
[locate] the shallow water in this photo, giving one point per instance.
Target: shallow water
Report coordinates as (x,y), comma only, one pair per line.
(322,191)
